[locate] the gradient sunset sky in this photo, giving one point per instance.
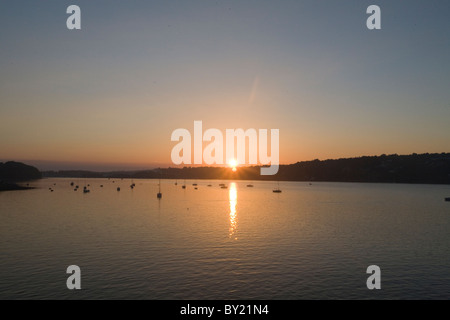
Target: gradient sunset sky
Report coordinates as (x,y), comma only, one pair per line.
(113,92)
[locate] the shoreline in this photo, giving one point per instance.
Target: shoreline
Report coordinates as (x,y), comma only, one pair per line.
(311,182)
(10,186)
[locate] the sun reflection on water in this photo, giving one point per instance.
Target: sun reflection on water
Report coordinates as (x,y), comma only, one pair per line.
(233,214)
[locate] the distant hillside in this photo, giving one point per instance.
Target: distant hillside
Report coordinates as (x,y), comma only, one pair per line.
(16,171)
(415,168)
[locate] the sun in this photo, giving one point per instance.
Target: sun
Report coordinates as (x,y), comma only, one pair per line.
(233,164)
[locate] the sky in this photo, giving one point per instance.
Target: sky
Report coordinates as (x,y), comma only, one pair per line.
(110,95)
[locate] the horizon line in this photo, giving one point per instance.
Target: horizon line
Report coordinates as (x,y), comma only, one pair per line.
(130,167)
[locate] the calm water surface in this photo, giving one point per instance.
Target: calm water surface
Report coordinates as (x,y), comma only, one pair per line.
(309,242)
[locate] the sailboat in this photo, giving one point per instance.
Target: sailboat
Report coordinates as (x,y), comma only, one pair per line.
(159,194)
(277,190)
(85,188)
(176,182)
(184,185)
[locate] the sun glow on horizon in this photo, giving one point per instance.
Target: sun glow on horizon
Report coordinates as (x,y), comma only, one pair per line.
(233,164)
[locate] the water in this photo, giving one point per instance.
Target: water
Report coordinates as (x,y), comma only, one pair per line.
(309,242)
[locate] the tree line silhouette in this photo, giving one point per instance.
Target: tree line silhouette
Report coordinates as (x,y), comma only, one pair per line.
(415,168)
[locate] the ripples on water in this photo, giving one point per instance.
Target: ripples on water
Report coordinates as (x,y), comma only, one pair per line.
(309,242)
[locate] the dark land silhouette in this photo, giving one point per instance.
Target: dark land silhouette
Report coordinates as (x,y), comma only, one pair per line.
(12,173)
(415,168)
